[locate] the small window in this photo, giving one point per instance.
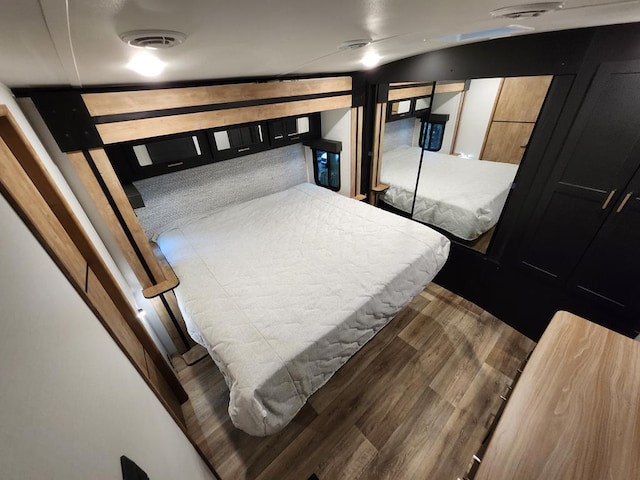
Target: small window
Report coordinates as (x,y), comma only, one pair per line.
(326,169)
(326,162)
(432,132)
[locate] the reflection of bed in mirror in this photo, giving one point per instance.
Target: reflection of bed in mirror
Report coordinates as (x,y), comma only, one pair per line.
(462,196)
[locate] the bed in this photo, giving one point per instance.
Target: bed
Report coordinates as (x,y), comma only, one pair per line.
(462,196)
(284,289)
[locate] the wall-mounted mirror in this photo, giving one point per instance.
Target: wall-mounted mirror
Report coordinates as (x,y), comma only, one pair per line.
(471,143)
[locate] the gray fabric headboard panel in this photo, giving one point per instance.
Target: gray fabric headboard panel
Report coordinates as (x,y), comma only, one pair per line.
(398,134)
(170,199)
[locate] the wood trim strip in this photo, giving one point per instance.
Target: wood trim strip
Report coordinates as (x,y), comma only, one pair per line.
(154,127)
(18,188)
(378,132)
(114,103)
(171,281)
(94,189)
(354,152)
(493,112)
(449,87)
(359,157)
(96,193)
(28,173)
(403,93)
(456,127)
(113,185)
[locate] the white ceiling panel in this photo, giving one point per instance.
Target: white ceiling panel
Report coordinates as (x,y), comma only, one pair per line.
(46,43)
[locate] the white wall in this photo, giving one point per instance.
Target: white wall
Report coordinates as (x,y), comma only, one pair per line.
(336,125)
(475,116)
(71,403)
(447,104)
(74,191)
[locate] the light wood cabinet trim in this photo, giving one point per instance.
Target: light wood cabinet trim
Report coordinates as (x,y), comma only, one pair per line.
(154,127)
(94,189)
(105,209)
(410,92)
(17,187)
(171,280)
(450,87)
(507,142)
(356,151)
(521,98)
(381,187)
(27,175)
(125,209)
(574,411)
(115,103)
(113,321)
(378,134)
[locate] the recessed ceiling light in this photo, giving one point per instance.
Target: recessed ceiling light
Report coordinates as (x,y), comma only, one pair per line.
(146,64)
(529,10)
(371,59)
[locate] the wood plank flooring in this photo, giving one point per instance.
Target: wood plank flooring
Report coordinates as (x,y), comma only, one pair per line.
(414,402)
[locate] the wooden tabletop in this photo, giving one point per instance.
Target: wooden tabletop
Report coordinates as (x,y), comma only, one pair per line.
(575,412)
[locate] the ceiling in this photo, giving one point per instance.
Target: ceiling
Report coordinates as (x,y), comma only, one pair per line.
(76,42)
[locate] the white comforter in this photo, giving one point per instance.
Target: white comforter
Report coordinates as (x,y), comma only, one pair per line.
(462,196)
(283,289)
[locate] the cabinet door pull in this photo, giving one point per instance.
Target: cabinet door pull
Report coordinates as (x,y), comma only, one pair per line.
(606,202)
(177,164)
(245,149)
(624,202)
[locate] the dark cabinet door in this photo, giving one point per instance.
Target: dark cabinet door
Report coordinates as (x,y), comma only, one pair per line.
(594,166)
(610,268)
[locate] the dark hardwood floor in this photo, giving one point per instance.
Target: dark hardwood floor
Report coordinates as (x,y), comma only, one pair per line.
(415,402)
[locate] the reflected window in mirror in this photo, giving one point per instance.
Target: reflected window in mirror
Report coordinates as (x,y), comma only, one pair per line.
(399,109)
(432,132)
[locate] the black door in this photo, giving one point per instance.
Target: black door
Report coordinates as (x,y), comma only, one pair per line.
(610,268)
(594,166)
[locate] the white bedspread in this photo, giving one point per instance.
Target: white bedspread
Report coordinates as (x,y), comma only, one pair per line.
(284,289)
(462,196)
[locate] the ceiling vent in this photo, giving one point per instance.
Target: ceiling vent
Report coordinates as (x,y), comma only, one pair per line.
(529,10)
(153,39)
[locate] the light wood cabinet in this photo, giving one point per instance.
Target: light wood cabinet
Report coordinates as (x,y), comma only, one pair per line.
(516,110)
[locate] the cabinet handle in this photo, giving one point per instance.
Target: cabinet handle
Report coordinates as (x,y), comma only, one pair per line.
(175,164)
(606,202)
(624,202)
(246,149)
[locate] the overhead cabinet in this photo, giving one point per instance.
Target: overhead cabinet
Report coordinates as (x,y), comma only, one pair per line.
(586,227)
(238,141)
(147,158)
(284,131)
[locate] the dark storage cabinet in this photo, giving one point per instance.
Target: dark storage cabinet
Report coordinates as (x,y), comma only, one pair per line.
(284,131)
(238,140)
(585,231)
(134,161)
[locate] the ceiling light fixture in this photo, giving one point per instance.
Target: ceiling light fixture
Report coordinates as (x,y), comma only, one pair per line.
(371,59)
(529,10)
(146,64)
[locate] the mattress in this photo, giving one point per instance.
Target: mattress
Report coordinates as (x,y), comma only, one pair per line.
(284,289)
(462,196)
